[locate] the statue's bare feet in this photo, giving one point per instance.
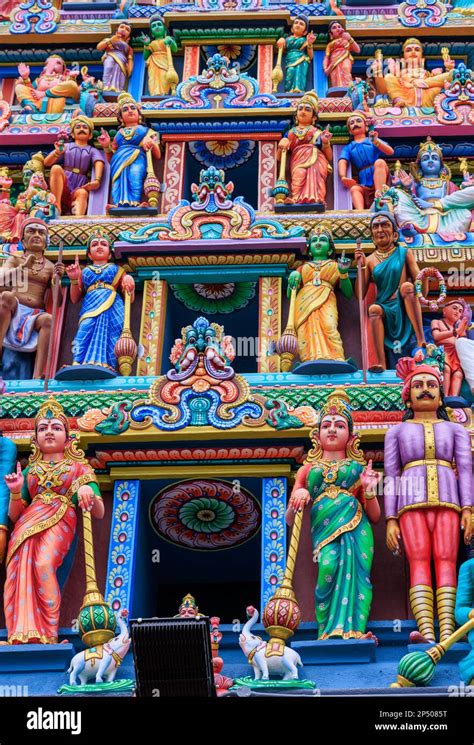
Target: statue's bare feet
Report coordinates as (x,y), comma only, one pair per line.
(417,638)
(370,635)
(450,237)
(64,641)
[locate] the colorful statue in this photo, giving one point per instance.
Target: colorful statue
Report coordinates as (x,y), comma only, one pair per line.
(427,201)
(427,488)
(299,53)
(156,54)
(255,649)
(341,490)
(337,62)
(311,154)
(47,94)
(101,662)
(188,608)
(408,82)
(71,166)
(24,324)
(464,612)
(316,316)
(43,500)
(129,153)
(34,200)
(446,331)
(396,312)
(117,59)
(102,310)
(366,154)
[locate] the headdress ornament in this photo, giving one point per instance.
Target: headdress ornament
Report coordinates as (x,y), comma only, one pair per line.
(52,409)
(411,40)
(98,234)
(83,119)
(337,402)
(312,99)
(430,362)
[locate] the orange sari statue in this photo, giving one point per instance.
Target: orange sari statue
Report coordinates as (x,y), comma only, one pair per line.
(43,503)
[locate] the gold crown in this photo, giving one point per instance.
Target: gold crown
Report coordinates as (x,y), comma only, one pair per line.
(320,230)
(97,234)
(337,402)
(412,40)
(51,409)
(125,98)
(312,99)
(429,146)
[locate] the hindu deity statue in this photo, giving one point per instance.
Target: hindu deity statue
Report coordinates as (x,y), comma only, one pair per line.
(43,501)
(316,316)
(338,59)
(310,154)
(100,287)
(427,201)
(50,91)
(156,54)
(25,326)
(71,166)
(365,153)
(428,493)
(341,490)
(188,608)
(129,153)
(117,59)
(34,200)
(298,47)
(408,82)
(446,330)
(396,312)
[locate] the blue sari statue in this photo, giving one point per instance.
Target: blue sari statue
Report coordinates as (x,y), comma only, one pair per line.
(101,321)
(128,154)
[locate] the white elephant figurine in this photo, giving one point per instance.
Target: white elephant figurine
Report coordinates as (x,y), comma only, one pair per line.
(103,661)
(254,649)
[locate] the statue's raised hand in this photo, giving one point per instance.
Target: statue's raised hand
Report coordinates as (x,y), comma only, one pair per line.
(104,139)
(73,271)
(369,479)
(15,480)
(23,71)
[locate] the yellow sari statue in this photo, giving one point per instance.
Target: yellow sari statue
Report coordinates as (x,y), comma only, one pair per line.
(316,316)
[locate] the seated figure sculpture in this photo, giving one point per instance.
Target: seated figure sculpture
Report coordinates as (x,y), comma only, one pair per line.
(48,93)
(427,201)
(408,82)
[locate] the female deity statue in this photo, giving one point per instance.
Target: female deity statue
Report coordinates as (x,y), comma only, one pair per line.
(341,490)
(129,153)
(310,152)
(299,53)
(117,59)
(316,306)
(102,311)
(43,501)
(337,63)
(156,58)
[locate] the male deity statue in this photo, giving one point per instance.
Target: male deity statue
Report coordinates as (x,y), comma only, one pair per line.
(396,312)
(427,201)
(25,281)
(365,154)
(428,493)
(408,82)
(71,164)
(49,92)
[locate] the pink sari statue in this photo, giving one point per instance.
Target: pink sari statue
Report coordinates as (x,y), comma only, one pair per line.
(337,63)
(310,153)
(43,503)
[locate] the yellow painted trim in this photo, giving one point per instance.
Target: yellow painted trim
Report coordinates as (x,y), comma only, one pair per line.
(181,471)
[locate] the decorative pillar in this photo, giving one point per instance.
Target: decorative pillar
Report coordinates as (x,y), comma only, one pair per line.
(267,168)
(122,546)
(155,293)
(269,322)
(191,61)
(136,84)
(173,175)
(320,81)
(274,493)
(265,67)
(342,196)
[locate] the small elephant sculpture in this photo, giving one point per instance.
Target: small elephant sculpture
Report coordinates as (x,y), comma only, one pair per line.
(254,649)
(103,661)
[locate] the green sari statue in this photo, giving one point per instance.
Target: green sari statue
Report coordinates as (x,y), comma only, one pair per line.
(298,49)
(340,490)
